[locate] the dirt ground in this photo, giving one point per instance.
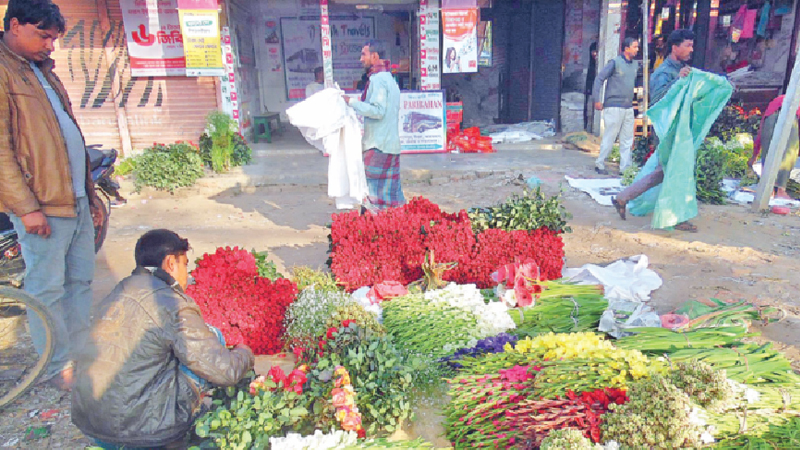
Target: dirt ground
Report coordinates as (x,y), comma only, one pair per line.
(736,254)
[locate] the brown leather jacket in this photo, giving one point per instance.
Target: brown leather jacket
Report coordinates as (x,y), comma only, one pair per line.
(34,163)
(129,389)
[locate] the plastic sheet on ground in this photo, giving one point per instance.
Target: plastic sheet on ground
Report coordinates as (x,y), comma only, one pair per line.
(746,195)
(627,279)
(325,118)
(622,315)
(600,189)
(520,132)
(627,284)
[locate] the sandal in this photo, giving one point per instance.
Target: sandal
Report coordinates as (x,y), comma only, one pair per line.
(686,226)
(619,207)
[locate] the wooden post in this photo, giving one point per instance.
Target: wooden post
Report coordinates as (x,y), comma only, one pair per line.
(116,94)
(780,139)
(645,65)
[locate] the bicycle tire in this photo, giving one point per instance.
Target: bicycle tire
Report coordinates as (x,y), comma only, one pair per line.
(32,304)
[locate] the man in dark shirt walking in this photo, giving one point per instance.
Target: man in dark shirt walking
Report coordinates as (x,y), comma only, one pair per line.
(617,104)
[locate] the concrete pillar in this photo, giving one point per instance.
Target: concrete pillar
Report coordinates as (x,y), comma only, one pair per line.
(608,45)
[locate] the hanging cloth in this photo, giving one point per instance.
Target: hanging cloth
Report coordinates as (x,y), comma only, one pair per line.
(749,23)
(764,20)
(738,24)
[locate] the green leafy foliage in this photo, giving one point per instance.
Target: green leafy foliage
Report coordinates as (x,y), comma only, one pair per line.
(734,120)
(629,174)
(222,146)
(266,268)
(240,156)
(167,167)
(243,421)
(709,172)
(781,436)
(642,148)
(379,376)
(125,167)
(530,211)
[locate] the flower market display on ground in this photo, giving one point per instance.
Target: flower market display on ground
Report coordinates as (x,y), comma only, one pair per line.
(470,314)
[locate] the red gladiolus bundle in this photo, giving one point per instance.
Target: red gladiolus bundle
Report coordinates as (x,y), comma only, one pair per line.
(535,419)
(391,246)
(248,309)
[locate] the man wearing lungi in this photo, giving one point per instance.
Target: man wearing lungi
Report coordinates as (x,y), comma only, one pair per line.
(380,106)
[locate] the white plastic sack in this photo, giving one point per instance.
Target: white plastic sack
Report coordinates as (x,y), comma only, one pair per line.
(325,120)
(600,189)
(626,279)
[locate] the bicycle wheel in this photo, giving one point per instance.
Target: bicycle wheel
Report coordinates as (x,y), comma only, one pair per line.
(20,364)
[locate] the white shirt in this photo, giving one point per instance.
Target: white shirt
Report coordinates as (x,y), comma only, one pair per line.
(313,88)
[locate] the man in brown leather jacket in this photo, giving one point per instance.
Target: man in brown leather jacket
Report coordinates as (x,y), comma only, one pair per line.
(149,354)
(45,182)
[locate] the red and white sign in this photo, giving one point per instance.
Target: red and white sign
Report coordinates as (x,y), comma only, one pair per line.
(153,33)
(430,73)
(327,51)
(460,44)
(230,98)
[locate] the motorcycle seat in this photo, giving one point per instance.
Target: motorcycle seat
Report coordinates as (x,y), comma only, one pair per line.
(97,156)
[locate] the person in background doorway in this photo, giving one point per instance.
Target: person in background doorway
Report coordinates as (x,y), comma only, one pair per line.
(620,78)
(150,357)
(761,145)
(45,182)
(681,45)
(658,54)
(318,84)
(591,73)
(380,106)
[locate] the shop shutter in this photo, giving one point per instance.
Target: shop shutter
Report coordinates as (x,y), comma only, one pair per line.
(548,47)
(515,21)
(161,109)
(164,109)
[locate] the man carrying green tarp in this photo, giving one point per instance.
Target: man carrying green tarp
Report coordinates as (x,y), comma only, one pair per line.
(686,104)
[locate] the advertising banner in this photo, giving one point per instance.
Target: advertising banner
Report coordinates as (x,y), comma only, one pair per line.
(202,46)
(422,122)
(153,34)
(230,98)
(327,52)
(430,73)
(460,44)
(302,50)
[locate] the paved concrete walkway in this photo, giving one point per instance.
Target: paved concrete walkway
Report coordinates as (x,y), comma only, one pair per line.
(289,160)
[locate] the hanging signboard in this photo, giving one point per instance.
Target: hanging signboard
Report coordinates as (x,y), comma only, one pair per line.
(302,50)
(230,98)
(460,44)
(430,74)
(153,34)
(422,122)
(202,42)
(325,35)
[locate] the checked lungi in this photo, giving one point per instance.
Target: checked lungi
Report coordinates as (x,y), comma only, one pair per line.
(383,179)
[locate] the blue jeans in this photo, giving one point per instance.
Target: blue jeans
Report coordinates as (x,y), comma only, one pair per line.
(59,272)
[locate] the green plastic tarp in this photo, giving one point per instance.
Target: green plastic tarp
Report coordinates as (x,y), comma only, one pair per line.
(681,121)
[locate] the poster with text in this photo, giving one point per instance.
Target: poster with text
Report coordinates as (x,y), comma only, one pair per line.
(430,74)
(460,43)
(202,46)
(153,34)
(302,50)
(422,122)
